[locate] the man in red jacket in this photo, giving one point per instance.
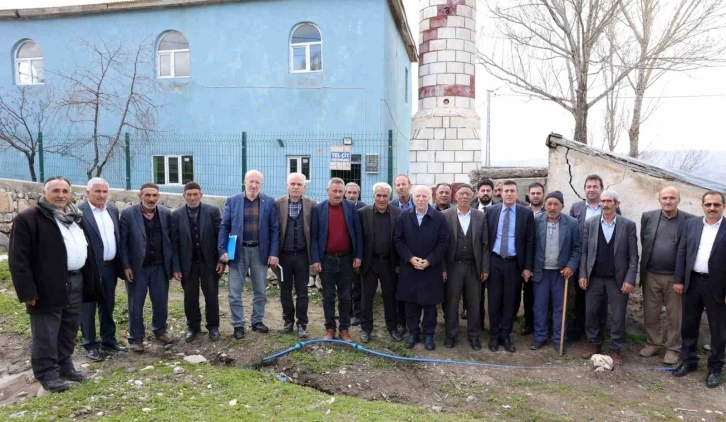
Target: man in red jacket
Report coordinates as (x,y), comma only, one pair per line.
(53,271)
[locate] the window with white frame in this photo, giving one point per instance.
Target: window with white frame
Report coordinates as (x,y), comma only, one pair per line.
(306,49)
(172,169)
(29,64)
(172,56)
(299,164)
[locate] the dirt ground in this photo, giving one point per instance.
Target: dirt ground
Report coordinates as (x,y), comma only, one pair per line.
(550,387)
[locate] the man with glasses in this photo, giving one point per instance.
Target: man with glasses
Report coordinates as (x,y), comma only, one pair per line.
(699,278)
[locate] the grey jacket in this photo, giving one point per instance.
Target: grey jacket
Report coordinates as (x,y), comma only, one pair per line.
(479,235)
(648,226)
(626,249)
(570,244)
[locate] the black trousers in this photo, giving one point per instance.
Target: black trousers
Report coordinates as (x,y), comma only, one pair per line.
(201,274)
(356,295)
(600,292)
(337,278)
(295,274)
(414,322)
(528,300)
(54,334)
(578,320)
(463,277)
(107,326)
(699,295)
(381,270)
(504,295)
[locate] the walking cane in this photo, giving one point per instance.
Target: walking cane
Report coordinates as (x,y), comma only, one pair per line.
(564,314)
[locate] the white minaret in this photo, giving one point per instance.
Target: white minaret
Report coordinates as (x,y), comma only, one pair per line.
(445,141)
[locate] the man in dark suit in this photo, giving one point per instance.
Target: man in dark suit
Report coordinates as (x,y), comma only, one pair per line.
(295,213)
(53,269)
(511,236)
(557,251)
(443,197)
(403,189)
(421,238)
(103,230)
(608,269)
(660,231)
(194,234)
(146,256)
(466,267)
(352,193)
(249,225)
(380,262)
(700,277)
(337,250)
(484,192)
(589,207)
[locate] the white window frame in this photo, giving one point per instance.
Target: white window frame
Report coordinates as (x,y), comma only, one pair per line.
(166,168)
(29,61)
(299,158)
(305,45)
(172,53)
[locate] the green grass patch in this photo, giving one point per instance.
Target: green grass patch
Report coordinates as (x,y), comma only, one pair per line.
(334,358)
(636,339)
(4,270)
(15,319)
(204,393)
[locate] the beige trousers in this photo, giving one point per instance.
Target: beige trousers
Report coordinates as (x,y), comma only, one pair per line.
(658,291)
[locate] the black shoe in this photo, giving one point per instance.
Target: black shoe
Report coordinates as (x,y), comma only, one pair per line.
(713,380)
(72,375)
(365,337)
(527,330)
(113,346)
(260,327)
(449,343)
(55,385)
(682,370)
(287,327)
(214,334)
(402,329)
(354,322)
(475,344)
(508,346)
(239,333)
(429,343)
(464,316)
(494,345)
(94,355)
(537,344)
(396,335)
(411,341)
(191,334)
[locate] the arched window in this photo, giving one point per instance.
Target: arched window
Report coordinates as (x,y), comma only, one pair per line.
(172,56)
(29,64)
(306,49)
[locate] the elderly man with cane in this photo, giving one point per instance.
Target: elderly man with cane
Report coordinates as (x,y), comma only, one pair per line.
(557,252)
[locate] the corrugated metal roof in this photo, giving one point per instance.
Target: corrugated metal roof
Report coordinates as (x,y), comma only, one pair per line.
(634,164)
(44,4)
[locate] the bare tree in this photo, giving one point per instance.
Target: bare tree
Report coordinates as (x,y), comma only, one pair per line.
(549,49)
(113,90)
(678,35)
(614,113)
(685,161)
(24,113)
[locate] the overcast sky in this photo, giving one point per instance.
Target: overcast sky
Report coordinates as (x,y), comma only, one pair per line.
(689,112)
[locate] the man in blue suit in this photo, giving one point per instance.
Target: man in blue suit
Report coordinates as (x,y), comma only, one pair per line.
(103,231)
(250,218)
(146,260)
(336,253)
(557,251)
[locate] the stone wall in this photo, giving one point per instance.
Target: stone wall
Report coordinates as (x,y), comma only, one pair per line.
(17,195)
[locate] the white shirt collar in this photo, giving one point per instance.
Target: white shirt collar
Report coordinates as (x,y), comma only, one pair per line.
(463,215)
(705,223)
(94,208)
(602,220)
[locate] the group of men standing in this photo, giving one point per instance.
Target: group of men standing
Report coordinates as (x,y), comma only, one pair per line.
(463,245)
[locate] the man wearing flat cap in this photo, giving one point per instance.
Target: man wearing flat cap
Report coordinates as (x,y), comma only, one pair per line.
(557,251)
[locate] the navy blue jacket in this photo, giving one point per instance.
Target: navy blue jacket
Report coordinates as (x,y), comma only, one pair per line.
(319,230)
(94,234)
(233,224)
(523,233)
(133,239)
(570,241)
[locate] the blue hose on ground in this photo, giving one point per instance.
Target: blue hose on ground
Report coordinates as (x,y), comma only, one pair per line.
(360,348)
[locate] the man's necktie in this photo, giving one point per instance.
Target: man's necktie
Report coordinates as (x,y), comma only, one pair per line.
(504,249)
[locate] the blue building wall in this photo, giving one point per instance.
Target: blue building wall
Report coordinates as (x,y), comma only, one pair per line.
(240,81)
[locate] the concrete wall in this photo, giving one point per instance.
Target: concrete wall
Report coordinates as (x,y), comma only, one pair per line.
(638,192)
(17,195)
